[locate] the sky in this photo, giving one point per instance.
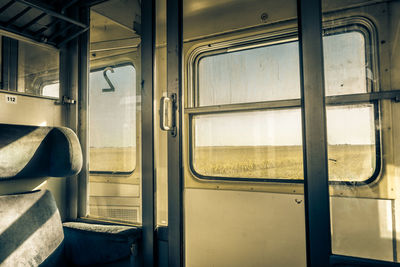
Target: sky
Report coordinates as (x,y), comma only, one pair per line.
(112,115)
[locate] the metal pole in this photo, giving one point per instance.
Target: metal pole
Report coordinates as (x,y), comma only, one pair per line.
(316,190)
(83,118)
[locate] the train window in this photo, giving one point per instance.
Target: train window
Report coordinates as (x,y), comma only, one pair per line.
(266,73)
(257,144)
(38,66)
(266,144)
(112,112)
(259,74)
(29,67)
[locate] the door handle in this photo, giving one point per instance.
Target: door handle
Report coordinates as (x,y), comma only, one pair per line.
(168,114)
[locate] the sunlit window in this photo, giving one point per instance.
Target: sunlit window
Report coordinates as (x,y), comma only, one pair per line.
(267,144)
(112,110)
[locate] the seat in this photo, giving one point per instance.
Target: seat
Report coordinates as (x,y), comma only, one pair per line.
(31,230)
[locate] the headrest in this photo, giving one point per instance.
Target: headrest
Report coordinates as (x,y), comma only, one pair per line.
(31,151)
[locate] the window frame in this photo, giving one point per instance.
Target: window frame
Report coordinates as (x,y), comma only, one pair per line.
(330,27)
(5,68)
(117,173)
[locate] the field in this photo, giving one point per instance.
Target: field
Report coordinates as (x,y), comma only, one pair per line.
(346,162)
(111,159)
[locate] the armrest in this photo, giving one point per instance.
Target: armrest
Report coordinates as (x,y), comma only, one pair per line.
(95,244)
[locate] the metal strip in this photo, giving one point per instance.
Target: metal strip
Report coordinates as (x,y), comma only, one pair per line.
(148,170)
(174,84)
(50,11)
(316,191)
(363,98)
(295,103)
(338,260)
(394,230)
(245,107)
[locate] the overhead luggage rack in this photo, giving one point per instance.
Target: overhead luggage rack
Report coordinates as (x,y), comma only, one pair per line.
(42,21)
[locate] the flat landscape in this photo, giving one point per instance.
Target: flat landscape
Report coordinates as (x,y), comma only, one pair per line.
(346,162)
(112,159)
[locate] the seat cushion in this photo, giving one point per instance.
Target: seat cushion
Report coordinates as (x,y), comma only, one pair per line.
(30,229)
(92,244)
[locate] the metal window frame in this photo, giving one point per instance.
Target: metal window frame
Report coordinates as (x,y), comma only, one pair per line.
(9,66)
(342,25)
(373,178)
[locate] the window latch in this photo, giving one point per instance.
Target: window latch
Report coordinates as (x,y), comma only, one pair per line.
(65,100)
(168,114)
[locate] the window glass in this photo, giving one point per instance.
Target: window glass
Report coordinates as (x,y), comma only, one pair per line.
(267,144)
(51,90)
(113,119)
(351,142)
(38,67)
(272,72)
(258,144)
(253,75)
(345,69)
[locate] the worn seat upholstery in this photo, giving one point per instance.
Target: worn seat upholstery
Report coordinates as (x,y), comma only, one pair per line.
(31,231)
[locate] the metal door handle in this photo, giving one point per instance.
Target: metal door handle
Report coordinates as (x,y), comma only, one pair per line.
(167,116)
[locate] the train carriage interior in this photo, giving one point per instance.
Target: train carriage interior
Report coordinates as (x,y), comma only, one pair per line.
(200,133)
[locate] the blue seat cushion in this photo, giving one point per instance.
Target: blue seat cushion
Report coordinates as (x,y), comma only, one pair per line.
(91,244)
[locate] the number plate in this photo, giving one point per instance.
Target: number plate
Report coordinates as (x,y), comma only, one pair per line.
(11,99)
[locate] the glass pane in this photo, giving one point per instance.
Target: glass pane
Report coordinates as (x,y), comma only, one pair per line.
(38,67)
(113,120)
(253,75)
(51,90)
(351,142)
(345,68)
(267,144)
(259,144)
(267,73)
